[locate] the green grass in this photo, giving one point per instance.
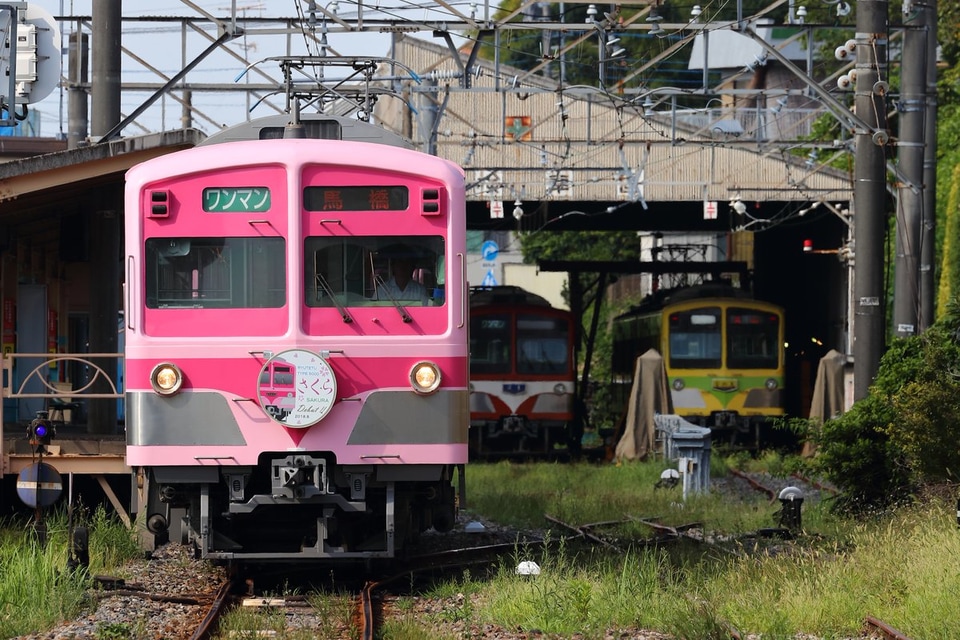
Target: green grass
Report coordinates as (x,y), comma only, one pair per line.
(903,568)
(32,573)
(520,494)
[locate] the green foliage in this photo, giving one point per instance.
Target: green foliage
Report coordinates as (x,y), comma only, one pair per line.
(893,440)
(927,407)
(114,631)
(948,33)
(948,151)
(950,266)
(32,573)
(855,453)
(579,245)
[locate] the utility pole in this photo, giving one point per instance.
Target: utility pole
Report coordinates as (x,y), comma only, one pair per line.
(869,191)
(105,90)
(912,110)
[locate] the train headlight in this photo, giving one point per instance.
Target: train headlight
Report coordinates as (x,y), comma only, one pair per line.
(166,378)
(425,377)
(771,384)
(559,388)
(678,384)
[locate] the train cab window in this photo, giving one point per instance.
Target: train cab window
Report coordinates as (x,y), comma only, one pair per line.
(753,339)
(696,338)
(215,273)
(490,340)
(374,271)
(542,345)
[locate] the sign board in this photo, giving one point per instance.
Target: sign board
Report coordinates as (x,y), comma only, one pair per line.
(489,251)
(709,210)
(39,485)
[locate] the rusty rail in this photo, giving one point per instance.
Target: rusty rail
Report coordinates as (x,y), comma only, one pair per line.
(872,625)
(218,607)
(756,485)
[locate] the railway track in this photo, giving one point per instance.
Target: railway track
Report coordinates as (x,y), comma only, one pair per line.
(175,597)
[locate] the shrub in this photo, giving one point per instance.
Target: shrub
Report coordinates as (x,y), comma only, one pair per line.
(901,435)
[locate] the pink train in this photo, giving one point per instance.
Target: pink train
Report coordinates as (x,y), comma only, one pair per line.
(282,402)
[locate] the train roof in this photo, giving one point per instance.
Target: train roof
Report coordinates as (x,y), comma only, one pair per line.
(315,126)
(505,294)
(665,297)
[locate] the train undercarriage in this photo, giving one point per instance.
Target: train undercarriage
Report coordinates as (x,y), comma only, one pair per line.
(297,506)
(730,429)
(517,436)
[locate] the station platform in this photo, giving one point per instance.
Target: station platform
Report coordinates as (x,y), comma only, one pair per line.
(73,450)
(81,458)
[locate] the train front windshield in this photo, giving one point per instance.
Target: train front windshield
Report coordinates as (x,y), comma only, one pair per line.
(753,339)
(490,341)
(696,338)
(374,270)
(215,273)
(542,345)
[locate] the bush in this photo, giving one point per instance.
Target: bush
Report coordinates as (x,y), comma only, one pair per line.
(903,434)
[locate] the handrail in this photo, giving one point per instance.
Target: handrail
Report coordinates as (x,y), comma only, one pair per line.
(47,362)
(465,288)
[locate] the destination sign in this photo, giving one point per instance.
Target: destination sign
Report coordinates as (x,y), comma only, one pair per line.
(236,199)
(356,198)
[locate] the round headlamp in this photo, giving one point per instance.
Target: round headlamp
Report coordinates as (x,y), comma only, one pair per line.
(771,384)
(425,377)
(166,378)
(678,384)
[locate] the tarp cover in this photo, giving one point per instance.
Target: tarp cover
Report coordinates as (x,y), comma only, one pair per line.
(649,396)
(828,400)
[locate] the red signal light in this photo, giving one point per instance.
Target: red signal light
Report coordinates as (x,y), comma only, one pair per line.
(807,245)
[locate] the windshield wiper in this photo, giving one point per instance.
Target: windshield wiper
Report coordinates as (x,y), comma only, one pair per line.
(383,287)
(336,301)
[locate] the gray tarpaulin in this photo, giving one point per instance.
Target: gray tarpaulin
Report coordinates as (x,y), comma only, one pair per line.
(828,400)
(649,396)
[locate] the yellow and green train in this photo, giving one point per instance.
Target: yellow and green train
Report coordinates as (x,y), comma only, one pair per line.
(724,356)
